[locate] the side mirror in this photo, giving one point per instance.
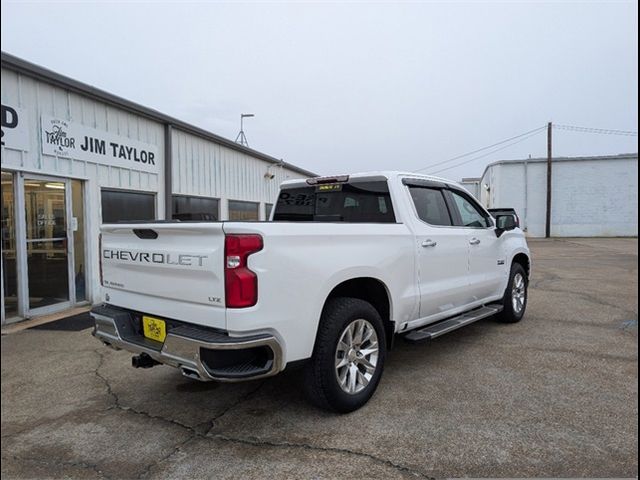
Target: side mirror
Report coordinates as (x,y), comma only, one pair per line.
(504,223)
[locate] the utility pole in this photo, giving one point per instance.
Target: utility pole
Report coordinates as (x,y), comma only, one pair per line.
(549,171)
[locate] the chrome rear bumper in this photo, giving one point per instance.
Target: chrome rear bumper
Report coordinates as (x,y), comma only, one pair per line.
(185,346)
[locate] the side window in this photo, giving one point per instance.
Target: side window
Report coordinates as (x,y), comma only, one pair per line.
(430,205)
(470,214)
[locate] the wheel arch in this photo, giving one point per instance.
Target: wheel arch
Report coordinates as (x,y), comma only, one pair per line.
(524,260)
(373,291)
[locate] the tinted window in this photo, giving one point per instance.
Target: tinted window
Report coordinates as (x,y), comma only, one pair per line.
(195,208)
(430,205)
(357,202)
(119,206)
(243,211)
(470,214)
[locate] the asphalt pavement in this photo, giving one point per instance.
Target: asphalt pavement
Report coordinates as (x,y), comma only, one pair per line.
(555,395)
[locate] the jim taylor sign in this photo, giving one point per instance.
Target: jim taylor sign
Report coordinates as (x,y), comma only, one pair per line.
(73,140)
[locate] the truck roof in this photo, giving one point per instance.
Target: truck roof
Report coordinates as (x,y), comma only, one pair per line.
(379,173)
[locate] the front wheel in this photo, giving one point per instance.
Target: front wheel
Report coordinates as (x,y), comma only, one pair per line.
(515,296)
(348,356)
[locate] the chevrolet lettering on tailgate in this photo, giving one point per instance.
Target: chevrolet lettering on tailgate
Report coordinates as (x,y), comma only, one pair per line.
(154,257)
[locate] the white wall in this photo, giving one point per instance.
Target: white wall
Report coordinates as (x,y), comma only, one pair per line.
(40,98)
(473,187)
(203,168)
(590,197)
(595,198)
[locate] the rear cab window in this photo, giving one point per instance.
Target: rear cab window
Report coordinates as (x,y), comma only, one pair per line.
(356,201)
(431,206)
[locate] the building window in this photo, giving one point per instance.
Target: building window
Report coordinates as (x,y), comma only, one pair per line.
(267,210)
(123,206)
(243,211)
(195,208)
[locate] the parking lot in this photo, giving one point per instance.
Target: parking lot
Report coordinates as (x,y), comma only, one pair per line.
(555,395)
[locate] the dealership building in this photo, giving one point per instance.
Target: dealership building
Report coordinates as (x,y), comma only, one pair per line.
(74,157)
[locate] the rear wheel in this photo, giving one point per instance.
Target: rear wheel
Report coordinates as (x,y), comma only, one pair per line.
(348,357)
(516,295)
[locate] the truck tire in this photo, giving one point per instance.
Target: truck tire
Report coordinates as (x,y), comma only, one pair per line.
(515,296)
(348,356)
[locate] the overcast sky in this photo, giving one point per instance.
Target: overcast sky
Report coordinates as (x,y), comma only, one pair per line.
(343,87)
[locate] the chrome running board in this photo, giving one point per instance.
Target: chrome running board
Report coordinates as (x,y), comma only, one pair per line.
(445,326)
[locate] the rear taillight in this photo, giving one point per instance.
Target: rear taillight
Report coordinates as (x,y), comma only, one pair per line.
(241,284)
(100,257)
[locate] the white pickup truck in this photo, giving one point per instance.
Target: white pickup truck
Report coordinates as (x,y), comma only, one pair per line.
(345,264)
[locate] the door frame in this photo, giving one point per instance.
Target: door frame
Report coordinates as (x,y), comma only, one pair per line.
(19,294)
(21,239)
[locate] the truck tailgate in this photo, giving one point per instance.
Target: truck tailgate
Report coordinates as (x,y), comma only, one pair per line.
(173,270)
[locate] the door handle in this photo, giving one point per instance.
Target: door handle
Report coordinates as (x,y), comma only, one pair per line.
(429,243)
(474,241)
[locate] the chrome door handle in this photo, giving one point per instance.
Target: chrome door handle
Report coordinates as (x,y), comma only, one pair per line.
(429,243)
(474,241)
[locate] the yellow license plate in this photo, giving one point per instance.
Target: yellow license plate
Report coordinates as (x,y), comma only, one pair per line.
(154,328)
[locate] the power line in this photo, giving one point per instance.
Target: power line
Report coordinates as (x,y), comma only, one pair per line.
(536,130)
(521,138)
(601,131)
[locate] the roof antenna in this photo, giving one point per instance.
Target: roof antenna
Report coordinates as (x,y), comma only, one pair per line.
(242,138)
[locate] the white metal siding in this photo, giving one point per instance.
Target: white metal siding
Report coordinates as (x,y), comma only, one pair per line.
(40,98)
(203,168)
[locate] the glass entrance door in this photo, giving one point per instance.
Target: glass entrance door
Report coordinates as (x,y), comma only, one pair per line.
(47,203)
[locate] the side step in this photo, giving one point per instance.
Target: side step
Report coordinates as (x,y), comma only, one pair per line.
(445,326)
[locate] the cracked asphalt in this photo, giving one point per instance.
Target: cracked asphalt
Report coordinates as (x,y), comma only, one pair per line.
(555,395)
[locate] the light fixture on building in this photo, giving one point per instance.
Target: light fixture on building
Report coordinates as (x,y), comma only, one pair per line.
(269,175)
(242,138)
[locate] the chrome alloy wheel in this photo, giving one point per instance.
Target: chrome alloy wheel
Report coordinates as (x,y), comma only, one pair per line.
(518,293)
(356,356)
